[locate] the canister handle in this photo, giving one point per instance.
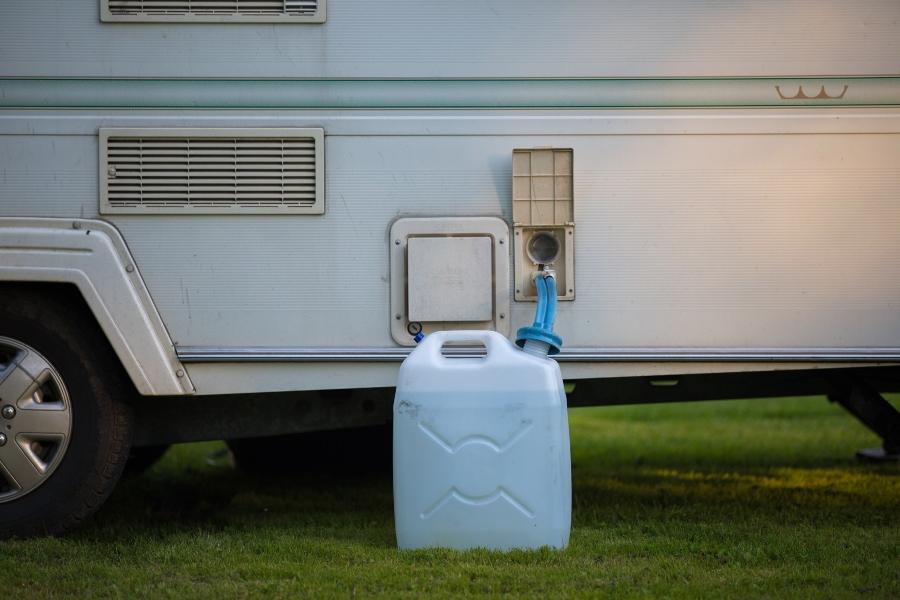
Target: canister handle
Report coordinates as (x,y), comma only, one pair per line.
(433,342)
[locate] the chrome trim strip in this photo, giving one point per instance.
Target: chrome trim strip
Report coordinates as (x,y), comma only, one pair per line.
(200,354)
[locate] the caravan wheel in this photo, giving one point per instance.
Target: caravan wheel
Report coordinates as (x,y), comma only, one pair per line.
(64,433)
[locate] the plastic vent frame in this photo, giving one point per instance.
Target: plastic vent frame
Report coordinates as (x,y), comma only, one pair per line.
(181,171)
(543,207)
(212,11)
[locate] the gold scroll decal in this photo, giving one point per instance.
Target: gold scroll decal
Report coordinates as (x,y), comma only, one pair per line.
(801,95)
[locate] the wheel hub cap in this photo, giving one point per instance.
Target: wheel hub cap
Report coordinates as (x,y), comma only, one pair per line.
(38,423)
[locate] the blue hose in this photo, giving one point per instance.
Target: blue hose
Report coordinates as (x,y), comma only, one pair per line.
(550,308)
(544,316)
(541,310)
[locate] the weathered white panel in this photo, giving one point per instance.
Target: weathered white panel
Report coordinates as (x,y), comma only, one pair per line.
(712,229)
(48,176)
(469,38)
(769,240)
(748,239)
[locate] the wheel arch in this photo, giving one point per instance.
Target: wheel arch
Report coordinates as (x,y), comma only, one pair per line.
(92,256)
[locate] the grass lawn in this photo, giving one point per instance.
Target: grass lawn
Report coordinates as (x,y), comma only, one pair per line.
(757,498)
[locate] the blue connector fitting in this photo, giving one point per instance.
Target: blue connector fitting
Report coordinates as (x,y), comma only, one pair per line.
(544,316)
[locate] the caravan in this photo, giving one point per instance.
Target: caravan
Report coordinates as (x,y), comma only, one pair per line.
(227,219)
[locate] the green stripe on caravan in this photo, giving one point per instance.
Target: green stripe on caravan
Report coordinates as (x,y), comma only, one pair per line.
(449,93)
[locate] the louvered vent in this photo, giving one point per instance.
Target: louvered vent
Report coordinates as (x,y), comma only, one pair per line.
(259,11)
(181,171)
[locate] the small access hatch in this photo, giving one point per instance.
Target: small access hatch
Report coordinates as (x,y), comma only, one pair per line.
(449,273)
(449,278)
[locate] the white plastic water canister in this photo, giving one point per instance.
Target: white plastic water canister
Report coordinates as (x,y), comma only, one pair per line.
(481,448)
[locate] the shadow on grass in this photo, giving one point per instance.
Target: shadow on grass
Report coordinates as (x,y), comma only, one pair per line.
(699,462)
(355,506)
(211,494)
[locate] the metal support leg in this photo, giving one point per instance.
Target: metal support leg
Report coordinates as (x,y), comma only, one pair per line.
(865,403)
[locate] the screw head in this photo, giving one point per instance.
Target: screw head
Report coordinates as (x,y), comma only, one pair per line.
(129,268)
(8,412)
(2,439)
(397,242)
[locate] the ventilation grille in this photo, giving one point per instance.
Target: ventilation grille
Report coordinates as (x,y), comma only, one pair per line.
(211,171)
(214,10)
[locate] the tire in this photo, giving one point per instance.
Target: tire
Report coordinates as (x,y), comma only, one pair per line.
(142,458)
(364,450)
(55,335)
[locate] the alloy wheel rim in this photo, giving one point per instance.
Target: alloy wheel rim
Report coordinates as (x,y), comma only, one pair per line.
(35,419)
